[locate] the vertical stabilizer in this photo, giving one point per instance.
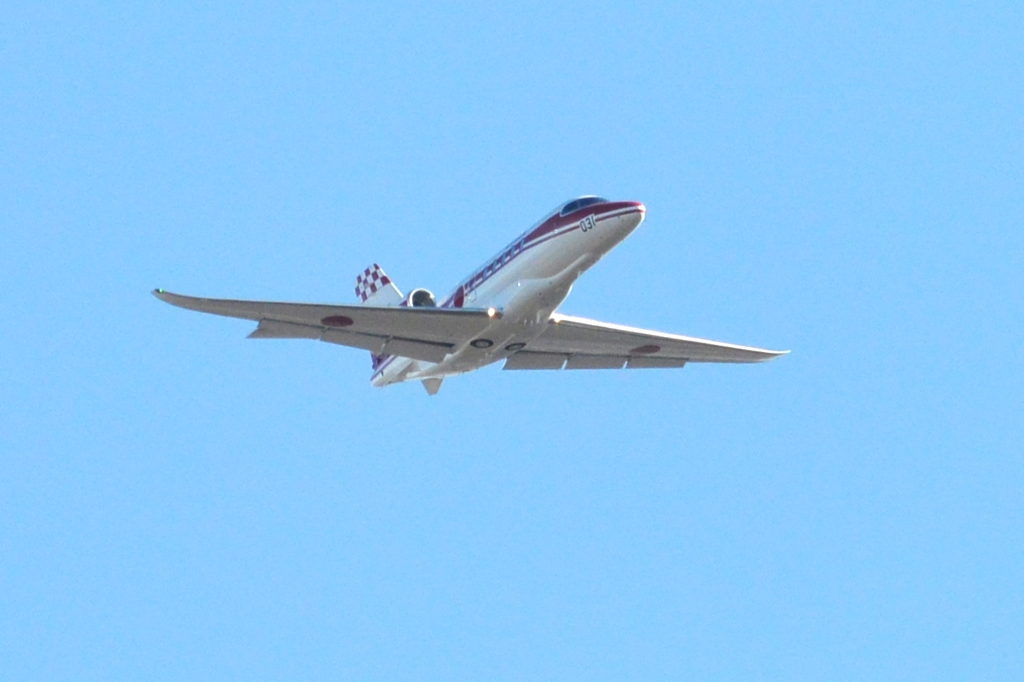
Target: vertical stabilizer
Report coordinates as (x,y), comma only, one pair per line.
(374,287)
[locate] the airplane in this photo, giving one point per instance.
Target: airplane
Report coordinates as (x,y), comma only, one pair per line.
(505,310)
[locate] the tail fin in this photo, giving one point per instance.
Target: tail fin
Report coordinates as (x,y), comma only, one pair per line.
(373,287)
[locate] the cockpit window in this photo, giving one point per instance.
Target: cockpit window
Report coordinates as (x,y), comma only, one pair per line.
(577,204)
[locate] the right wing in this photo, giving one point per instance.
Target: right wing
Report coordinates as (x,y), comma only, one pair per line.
(579,343)
(419,333)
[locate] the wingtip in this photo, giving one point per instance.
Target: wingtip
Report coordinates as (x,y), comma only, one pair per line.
(166,296)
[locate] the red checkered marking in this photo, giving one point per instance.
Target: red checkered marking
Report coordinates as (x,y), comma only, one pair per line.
(368,283)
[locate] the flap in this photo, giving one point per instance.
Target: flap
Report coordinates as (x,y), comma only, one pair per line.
(526,360)
(271,329)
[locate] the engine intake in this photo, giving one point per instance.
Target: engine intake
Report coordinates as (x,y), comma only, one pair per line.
(422,298)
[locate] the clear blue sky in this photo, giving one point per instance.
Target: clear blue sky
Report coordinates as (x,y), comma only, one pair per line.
(177,502)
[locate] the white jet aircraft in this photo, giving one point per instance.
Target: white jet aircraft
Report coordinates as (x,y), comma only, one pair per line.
(503,311)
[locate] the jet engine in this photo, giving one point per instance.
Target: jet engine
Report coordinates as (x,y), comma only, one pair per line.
(422,298)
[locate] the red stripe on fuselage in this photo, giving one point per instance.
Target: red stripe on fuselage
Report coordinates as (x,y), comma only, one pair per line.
(555,226)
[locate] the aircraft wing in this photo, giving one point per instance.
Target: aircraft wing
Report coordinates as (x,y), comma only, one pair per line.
(419,333)
(579,343)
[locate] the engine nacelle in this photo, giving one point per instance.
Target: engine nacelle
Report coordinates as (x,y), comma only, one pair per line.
(422,298)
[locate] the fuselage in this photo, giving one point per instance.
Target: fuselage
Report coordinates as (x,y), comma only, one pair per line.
(524,284)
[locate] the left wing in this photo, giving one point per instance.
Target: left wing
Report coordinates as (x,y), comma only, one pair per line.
(419,333)
(579,343)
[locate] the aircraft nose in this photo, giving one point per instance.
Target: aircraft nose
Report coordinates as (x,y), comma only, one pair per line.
(620,219)
(633,218)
